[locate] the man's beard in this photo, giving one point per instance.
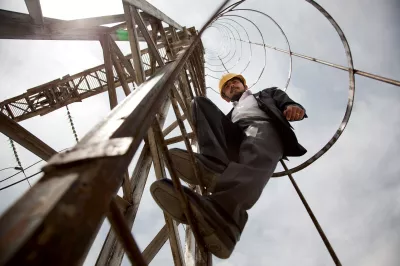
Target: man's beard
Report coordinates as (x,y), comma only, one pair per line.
(237,96)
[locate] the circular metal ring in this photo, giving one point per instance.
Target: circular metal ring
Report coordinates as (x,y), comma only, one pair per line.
(351,91)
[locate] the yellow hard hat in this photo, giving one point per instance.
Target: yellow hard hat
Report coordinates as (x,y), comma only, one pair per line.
(225,78)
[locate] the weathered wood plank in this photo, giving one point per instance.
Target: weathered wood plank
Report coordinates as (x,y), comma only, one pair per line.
(112,94)
(150,43)
(35,11)
(86,22)
(155,245)
(26,139)
(134,43)
(153,11)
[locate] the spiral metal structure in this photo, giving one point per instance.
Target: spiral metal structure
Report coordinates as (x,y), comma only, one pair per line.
(232,25)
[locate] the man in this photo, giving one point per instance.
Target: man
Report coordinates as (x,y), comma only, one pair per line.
(238,154)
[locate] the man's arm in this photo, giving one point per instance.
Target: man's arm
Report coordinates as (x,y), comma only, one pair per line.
(285,103)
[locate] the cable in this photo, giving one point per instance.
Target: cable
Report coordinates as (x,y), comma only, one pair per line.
(27,168)
(71,122)
(18,160)
(213,90)
(26,178)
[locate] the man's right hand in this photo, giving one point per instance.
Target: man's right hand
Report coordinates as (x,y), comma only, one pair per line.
(294,113)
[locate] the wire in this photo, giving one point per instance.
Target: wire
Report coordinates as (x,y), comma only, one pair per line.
(213,90)
(18,160)
(26,178)
(27,168)
(71,122)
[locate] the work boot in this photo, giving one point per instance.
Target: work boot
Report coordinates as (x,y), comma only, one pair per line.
(185,171)
(219,232)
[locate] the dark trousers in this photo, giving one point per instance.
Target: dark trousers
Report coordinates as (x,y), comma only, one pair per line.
(245,153)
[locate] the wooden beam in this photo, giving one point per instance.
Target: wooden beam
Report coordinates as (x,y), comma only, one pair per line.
(159,169)
(134,43)
(35,11)
(177,139)
(172,126)
(26,139)
(87,22)
(124,234)
(150,43)
(164,38)
(16,25)
(153,11)
(156,244)
(122,203)
(121,74)
(124,60)
(112,94)
(153,61)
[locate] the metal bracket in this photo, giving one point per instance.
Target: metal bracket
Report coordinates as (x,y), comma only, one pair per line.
(110,148)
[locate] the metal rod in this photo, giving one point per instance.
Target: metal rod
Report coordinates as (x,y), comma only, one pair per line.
(356,71)
(313,218)
(223,64)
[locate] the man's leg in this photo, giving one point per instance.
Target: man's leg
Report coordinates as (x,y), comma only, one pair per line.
(218,138)
(241,184)
(219,141)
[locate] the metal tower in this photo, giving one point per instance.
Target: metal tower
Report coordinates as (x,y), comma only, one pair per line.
(55,222)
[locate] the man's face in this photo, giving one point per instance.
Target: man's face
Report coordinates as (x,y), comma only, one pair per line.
(233,89)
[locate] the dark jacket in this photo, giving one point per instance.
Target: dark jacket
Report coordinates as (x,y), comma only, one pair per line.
(273,101)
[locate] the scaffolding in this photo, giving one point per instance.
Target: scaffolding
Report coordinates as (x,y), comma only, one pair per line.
(63,211)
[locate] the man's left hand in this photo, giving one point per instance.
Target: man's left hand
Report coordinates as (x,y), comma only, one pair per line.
(293,113)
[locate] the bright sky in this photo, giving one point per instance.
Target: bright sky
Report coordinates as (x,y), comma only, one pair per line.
(353,189)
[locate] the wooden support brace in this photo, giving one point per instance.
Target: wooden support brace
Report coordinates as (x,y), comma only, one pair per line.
(153,11)
(156,244)
(170,53)
(171,127)
(150,43)
(133,40)
(159,168)
(35,11)
(112,94)
(121,74)
(177,185)
(119,225)
(122,203)
(177,139)
(26,139)
(125,62)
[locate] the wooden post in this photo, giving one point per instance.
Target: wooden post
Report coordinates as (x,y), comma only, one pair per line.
(133,41)
(112,94)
